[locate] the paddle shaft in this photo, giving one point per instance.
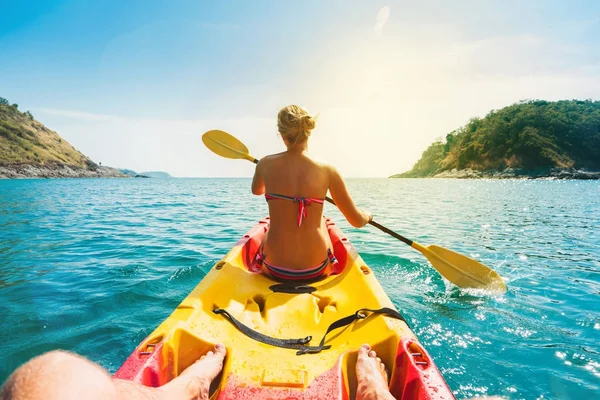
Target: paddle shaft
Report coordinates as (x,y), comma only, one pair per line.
(382,228)
(373,223)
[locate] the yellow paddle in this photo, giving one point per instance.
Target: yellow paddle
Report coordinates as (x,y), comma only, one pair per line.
(461,270)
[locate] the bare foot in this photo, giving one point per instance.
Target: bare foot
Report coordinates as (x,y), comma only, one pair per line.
(371,375)
(194,382)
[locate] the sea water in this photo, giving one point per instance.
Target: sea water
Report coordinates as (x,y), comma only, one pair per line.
(94,265)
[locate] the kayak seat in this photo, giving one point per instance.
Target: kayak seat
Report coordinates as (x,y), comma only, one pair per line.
(385,348)
(251,241)
(151,365)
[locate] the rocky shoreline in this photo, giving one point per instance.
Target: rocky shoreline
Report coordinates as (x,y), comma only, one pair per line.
(57,170)
(514,173)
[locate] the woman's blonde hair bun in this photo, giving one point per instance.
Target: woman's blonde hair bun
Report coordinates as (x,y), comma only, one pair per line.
(294,123)
(308,123)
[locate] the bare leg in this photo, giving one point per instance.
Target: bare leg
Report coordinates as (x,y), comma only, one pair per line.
(371,376)
(59,375)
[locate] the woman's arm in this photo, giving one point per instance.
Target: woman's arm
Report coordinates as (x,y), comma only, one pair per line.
(258,182)
(344,202)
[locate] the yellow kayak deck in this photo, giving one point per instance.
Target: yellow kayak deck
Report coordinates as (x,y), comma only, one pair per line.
(255,370)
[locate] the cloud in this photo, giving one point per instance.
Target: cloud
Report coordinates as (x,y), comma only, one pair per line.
(175,126)
(520,55)
(76,114)
(172,145)
(382,18)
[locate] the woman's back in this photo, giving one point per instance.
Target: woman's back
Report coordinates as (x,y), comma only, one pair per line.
(290,243)
(295,186)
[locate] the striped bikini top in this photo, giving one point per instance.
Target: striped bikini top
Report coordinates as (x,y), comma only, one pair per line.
(303,202)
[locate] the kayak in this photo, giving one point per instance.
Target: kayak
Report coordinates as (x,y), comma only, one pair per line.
(287,340)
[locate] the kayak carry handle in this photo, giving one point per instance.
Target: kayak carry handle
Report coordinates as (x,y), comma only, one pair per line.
(292,289)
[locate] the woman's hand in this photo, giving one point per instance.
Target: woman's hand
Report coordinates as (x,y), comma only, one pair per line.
(367,217)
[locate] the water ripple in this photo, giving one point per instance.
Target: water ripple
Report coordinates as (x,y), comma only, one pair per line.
(93,266)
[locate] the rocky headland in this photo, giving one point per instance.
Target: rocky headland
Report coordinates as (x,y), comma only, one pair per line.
(56,170)
(512,173)
(28,149)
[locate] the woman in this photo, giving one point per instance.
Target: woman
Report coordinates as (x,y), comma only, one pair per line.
(297,245)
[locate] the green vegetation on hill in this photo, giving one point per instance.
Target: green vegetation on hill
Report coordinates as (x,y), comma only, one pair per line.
(529,135)
(23,140)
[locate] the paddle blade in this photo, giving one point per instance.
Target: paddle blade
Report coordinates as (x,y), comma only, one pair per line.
(461,270)
(225,145)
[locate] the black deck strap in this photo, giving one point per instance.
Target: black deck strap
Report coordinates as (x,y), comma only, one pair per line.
(360,314)
(301,345)
(294,344)
(292,289)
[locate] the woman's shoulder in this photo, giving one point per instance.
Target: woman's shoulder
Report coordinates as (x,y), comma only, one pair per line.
(277,158)
(326,166)
(270,158)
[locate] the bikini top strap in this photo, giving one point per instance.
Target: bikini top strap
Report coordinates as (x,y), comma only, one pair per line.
(303,202)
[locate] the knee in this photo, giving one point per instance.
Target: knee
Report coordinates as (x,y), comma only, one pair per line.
(54,357)
(57,374)
(48,364)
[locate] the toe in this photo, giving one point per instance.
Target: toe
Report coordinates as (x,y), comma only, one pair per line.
(383,370)
(220,349)
(364,350)
(372,354)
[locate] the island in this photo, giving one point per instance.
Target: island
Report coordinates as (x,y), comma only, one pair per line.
(529,139)
(155,174)
(151,174)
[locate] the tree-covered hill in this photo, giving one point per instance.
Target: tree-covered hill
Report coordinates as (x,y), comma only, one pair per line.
(530,135)
(28,148)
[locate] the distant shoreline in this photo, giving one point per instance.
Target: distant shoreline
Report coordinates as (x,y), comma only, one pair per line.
(56,170)
(510,173)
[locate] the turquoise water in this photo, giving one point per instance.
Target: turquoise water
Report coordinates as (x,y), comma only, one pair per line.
(93,266)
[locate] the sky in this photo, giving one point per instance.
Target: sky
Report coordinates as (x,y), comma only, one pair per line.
(134,84)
